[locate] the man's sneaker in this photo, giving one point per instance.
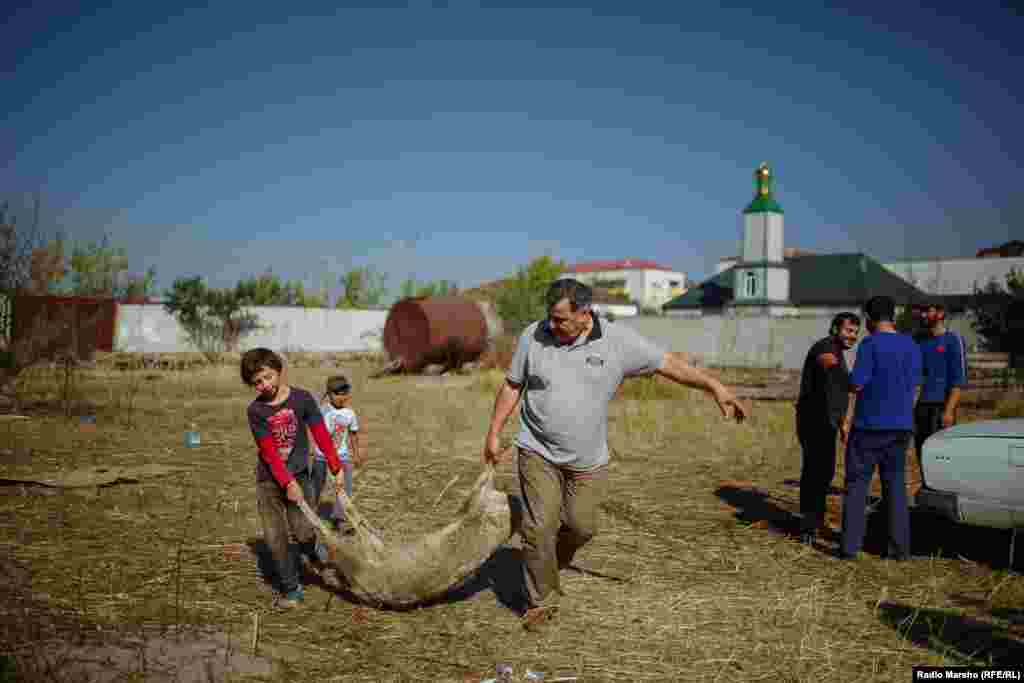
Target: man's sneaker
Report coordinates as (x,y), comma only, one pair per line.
(292,598)
(807,537)
(537,617)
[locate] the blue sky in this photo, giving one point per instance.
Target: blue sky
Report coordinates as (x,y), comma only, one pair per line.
(460,139)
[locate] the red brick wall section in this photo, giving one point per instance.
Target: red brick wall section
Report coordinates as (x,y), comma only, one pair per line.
(28,308)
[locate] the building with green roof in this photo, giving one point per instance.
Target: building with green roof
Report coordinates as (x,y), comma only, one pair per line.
(765,281)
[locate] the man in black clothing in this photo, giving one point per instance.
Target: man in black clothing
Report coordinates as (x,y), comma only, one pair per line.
(824,392)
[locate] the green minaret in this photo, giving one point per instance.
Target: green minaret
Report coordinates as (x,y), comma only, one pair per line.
(763,200)
(762,276)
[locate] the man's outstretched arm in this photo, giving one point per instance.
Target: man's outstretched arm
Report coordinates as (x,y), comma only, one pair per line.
(676,368)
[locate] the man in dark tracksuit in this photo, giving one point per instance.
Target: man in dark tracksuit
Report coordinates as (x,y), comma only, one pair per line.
(824,388)
(945,372)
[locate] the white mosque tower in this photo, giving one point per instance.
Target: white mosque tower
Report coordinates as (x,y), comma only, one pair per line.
(762,276)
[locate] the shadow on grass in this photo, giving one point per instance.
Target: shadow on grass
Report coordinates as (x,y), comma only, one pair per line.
(756,507)
(934,536)
(963,639)
(502,573)
(931,536)
(832,490)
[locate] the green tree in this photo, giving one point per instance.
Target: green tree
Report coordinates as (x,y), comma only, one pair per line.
(268,289)
(213,319)
(264,290)
(408,289)
(139,286)
(98,269)
(411,288)
(361,287)
(997,314)
(18,240)
(521,300)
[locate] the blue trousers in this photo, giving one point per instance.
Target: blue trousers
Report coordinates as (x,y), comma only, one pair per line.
(888,451)
(317,481)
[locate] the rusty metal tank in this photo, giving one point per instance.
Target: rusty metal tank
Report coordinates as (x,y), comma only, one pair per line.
(447,330)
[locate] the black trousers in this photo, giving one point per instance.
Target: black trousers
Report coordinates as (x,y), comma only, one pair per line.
(817,438)
(927,421)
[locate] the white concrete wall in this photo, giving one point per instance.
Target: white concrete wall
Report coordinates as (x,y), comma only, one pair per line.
(753,237)
(955,276)
(618,310)
(721,340)
(634,282)
(774,239)
(759,341)
(150,329)
(657,288)
(762,237)
(777,284)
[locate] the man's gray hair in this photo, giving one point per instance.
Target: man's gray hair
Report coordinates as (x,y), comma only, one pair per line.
(578,294)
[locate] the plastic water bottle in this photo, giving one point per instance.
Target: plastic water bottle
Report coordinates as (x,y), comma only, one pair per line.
(192,439)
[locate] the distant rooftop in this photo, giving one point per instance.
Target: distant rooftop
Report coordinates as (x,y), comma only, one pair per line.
(788,252)
(621,264)
(488,291)
(814,280)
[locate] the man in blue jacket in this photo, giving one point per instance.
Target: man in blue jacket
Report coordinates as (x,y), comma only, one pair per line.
(877,427)
(945,372)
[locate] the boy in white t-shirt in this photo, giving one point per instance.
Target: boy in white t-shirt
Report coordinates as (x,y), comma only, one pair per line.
(343,426)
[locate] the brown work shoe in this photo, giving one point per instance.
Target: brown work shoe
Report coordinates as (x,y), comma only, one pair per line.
(537,617)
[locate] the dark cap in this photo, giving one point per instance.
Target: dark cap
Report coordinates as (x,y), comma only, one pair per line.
(338,384)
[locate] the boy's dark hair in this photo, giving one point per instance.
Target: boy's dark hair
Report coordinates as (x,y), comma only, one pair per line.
(578,294)
(880,309)
(255,360)
(842,319)
(338,384)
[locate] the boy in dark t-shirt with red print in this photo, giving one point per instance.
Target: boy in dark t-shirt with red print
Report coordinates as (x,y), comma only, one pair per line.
(278,418)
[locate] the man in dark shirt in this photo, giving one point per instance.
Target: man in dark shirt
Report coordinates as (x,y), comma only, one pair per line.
(824,387)
(945,372)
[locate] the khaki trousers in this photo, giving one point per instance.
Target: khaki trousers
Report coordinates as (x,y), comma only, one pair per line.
(281,516)
(560,516)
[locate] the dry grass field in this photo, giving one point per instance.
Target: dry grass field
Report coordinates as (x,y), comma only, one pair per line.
(141,561)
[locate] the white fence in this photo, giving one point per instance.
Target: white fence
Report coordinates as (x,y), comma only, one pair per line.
(749,341)
(150,329)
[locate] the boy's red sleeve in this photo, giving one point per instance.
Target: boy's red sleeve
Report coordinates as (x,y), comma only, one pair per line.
(326,445)
(274,461)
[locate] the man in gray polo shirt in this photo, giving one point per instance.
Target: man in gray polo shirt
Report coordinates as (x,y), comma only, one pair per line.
(566,370)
